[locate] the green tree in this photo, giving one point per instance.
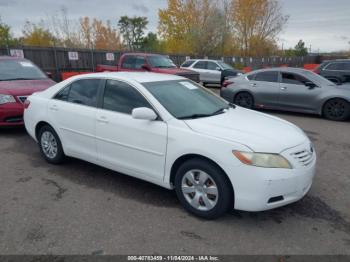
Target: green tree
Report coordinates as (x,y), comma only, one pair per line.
(132,29)
(300,49)
(151,43)
(6,38)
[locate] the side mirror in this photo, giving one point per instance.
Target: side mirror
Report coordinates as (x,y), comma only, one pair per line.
(146,67)
(311,85)
(144,113)
(49,74)
(218,69)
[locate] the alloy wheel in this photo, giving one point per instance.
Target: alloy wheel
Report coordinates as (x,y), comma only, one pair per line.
(49,144)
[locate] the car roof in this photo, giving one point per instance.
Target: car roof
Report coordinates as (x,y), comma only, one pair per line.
(279,69)
(143,54)
(11,58)
(208,60)
(140,77)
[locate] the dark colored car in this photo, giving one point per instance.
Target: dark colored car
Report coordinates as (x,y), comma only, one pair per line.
(337,71)
(144,62)
(19,78)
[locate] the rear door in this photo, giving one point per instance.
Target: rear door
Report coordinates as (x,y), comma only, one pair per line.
(201,68)
(73,112)
(295,95)
(213,72)
(265,87)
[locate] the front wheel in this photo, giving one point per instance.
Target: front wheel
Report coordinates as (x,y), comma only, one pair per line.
(336,109)
(203,189)
(50,145)
(244,99)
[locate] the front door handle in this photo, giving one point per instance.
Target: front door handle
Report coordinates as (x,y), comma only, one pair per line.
(54,108)
(253,84)
(283,88)
(102,119)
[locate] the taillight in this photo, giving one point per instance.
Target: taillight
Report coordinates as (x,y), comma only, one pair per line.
(226,83)
(26,104)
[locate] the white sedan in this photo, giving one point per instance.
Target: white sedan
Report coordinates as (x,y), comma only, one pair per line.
(172,132)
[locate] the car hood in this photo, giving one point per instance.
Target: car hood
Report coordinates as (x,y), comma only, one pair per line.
(260,132)
(24,87)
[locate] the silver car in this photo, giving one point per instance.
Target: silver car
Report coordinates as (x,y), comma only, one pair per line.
(211,71)
(290,89)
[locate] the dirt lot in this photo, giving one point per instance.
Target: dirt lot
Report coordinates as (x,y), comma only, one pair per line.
(80,208)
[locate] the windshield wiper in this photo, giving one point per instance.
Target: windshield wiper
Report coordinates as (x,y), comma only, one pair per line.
(20,78)
(193,116)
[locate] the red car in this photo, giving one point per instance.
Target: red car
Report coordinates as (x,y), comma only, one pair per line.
(144,62)
(19,78)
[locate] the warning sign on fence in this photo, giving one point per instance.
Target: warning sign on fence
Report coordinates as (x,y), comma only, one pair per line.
(109,56)
(17,53)
(73,56)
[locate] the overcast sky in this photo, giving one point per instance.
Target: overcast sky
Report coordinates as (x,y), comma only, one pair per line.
(323,24)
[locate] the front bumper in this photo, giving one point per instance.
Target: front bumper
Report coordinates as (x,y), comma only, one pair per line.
(11,114)
(259,189)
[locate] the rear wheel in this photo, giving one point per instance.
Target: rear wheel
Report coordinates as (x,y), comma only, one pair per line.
(50,145)
(203,189)
(336,109)
(244,99)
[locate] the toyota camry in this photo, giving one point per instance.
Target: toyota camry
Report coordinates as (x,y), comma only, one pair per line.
(170,131)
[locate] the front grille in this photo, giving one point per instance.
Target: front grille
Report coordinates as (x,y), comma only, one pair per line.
(14,119)
(304,157)
(22,98)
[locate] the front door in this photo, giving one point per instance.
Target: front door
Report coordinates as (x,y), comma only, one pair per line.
(136,147)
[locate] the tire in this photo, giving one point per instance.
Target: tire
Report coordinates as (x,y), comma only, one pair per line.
(336,109)
(244,99)
(50,145)
(206,177)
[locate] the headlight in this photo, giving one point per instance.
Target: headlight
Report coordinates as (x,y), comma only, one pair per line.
(4,99)
(262,159)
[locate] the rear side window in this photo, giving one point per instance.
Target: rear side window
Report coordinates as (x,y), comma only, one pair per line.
(84,92)
(251,77)
(212,66)
(200,65)
(270,76)
(188,63)
(294,79)
(121,97)
(133,62)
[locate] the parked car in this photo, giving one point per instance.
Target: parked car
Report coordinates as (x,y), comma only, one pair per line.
(19,78)
(211,71)
(144,62)
(172,132)
(337,71)
(289,89)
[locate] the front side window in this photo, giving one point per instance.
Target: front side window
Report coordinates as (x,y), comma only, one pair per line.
(269,76)
(133,62)
(225,66)
(121,97)
(185,100)
(212,66)
(84,92)
(294,79)
(200,65)
(19,70)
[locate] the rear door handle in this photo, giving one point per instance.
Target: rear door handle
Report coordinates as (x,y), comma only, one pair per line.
(102,119)
(253,84)
(283,88)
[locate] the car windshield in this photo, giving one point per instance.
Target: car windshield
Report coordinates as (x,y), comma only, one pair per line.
(185,99)
(224,65)
(19,70)
(161,62)
(320,79)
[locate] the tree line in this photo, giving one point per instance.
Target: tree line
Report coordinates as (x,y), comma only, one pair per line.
(196,27)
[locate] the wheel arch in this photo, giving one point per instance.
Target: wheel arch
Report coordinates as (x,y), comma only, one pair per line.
(182,159)
(331,98)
